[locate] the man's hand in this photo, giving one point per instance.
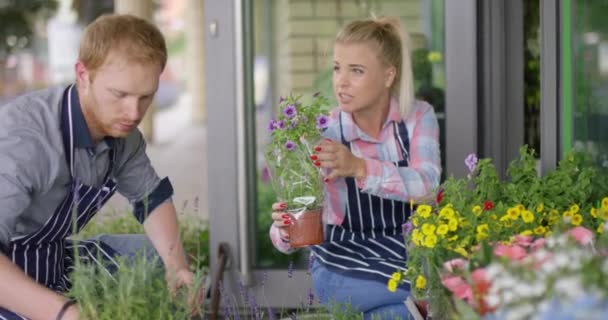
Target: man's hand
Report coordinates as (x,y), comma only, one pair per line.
(338,158)
(196,292)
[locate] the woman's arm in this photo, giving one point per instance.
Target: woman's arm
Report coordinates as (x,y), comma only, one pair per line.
(421,177)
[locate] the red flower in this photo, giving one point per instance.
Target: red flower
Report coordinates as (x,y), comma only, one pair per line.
(488,205)
(439,196)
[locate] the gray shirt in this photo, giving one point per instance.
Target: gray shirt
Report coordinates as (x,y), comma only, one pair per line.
(34,175)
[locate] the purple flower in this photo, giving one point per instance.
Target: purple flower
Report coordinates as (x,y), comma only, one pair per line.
(265,176)
(322,122)
(311,297)
(293,124)
(271,126)
(290,111)
(290,269)
(279,124)
(290,145)
(407,228)
(471,162)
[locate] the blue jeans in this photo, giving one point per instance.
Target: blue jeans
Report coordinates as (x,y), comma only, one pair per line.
(367,297)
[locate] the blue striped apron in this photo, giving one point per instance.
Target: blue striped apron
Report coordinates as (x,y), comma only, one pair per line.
(369,243)
(46,255)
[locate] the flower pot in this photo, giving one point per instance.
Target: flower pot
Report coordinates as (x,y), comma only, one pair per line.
(306,228)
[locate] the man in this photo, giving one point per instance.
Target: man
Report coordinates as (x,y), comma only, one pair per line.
(64,152)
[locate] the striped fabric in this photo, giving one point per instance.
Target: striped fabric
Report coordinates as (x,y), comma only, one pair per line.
(45,255)
(369,243)
(363,217)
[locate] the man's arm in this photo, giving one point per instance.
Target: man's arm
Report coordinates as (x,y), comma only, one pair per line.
(162,229)
(24,291)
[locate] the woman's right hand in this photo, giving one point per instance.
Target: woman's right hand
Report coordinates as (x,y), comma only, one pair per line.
(282,219)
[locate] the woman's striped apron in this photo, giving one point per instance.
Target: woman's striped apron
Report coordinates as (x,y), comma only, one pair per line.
(46,255)
(369,244)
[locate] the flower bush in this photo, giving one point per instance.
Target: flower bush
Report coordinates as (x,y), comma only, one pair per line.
(480,214)
(294,133)
(524,279)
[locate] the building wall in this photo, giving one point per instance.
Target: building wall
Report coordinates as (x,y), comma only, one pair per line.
(304,30)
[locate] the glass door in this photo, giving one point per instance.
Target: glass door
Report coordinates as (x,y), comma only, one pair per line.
(260,50)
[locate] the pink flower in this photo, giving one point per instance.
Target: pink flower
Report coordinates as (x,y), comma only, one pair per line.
(523,240)
(582,235)
(458,287)
(513,252)
(454,264)
(538,243)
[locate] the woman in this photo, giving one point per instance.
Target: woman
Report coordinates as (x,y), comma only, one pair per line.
(381,153)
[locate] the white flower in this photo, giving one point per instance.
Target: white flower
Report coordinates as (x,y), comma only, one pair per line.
(493,300)
(521,312)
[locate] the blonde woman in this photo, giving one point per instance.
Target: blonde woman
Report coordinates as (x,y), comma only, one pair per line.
(381,151)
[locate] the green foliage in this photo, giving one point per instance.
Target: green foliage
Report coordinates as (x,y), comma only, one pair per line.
(137,290)
(17,19)
(194,234)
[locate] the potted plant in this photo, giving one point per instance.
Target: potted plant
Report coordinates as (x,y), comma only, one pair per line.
(295,178)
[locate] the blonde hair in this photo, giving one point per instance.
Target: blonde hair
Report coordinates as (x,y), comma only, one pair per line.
(137,38)
(394,50)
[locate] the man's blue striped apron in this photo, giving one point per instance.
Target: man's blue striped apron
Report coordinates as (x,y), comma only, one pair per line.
(369,244)
(46,255)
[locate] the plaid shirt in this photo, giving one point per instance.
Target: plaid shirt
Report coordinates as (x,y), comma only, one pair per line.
(414,183)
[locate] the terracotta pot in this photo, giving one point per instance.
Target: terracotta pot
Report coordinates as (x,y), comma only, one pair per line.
(306,228)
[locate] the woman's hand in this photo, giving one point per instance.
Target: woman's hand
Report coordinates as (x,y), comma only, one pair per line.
(282,219)
(338,158)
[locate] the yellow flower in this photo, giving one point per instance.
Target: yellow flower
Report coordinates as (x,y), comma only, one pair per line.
(415,221)
(540,208)
(417,237)
(506,220)
(461,251)
(477,210)
(424,210)
(396,276)
(554,213)
(453,224)
(447,212)
(527,216)
(600,228)
(520,207)
(540,230)
(594,212)
(480,236)
(442,230)
(526,233)
(567,214)
(548,233)
(392,285)
(434,56)
(604,213)
(574,208)
(420,282)
(483,228)
(513,213)
(577,219)
(430,241)
(453,238)
(428,229)
(605,203)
